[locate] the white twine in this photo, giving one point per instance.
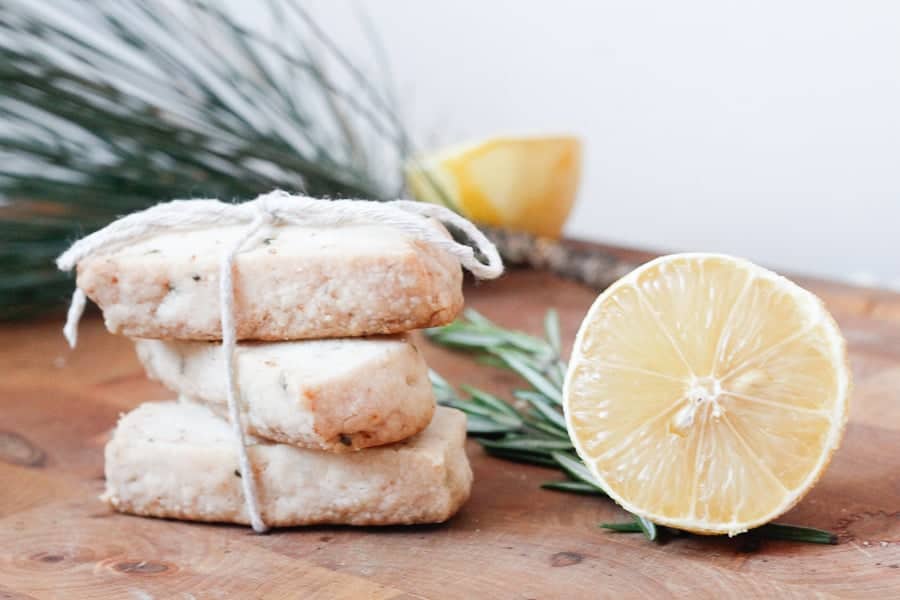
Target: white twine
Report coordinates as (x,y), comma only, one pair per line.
(270,209)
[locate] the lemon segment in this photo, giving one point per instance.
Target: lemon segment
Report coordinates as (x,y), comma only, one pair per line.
(707,393)
(523,183)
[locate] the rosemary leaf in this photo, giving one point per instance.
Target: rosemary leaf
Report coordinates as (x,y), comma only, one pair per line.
(478,425)
(486,338)
(556,375)
(490,361)
(551,328)
(525,457)
(576,469)
(528,444)
(442,389)
(475,317)
(529,374)
(471,408)
(550,430)
(527,343)
(777,531)
(631,527)
(560,368)
(478,331)
(469,338)
(648,528)
(574,487)
(542,406)
(492,402)
(638,525)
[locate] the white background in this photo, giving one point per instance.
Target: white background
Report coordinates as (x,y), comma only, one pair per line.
(765,129)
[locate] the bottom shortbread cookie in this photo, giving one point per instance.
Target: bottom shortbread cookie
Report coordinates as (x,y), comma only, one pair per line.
(178,460)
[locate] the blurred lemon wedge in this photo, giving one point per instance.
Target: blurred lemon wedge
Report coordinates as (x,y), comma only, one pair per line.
(707,393)
(522,183)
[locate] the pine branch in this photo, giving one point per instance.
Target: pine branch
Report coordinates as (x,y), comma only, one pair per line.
(106,108)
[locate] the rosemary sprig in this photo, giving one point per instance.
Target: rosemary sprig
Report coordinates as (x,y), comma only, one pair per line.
(772,531)
(533,429)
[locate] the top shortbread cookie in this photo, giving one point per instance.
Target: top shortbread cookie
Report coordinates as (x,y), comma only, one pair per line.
(299,283)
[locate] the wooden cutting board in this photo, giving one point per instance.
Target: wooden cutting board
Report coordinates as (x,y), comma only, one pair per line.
(512,539)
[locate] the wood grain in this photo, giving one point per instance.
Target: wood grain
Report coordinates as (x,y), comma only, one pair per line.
(512,540)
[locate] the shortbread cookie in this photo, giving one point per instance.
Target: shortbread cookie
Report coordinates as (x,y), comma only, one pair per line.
(333,395)
(177,460)
(298,283)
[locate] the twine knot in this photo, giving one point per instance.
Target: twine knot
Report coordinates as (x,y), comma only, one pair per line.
(266,206)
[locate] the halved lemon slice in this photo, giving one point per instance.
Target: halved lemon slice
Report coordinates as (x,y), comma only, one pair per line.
(527,183)
(707,393)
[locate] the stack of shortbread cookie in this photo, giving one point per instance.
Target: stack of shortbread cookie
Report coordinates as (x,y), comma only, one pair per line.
(335,399)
